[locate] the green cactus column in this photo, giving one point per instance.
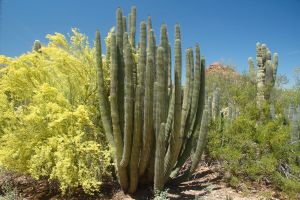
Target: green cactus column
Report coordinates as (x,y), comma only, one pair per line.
(251,72)
(132,26)
(159,160)
(129,104)
(37,46)
(175,139)
(148,106)
(216,103)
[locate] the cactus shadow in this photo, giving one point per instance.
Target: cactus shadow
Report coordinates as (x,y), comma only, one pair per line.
(200,184)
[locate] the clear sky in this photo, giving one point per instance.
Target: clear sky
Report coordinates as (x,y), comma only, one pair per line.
(227,30)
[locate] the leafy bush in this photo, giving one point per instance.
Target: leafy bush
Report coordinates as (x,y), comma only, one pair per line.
(257,151)
(49,114)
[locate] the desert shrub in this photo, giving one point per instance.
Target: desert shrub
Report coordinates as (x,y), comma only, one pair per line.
(257,150)
(49,114)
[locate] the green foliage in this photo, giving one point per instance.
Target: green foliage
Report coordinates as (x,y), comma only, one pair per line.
(9,192)
(50,119)
(256,151)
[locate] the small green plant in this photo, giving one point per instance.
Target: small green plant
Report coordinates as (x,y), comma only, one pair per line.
(9,192)
(161,195)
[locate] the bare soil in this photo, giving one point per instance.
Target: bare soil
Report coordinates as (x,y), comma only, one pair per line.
(206,184)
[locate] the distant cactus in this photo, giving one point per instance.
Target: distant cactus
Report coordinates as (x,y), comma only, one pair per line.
(298,113)
(209,109)
(37,46)
(294,129)
(272,111)
(251,72)
(152,125)
(291,112)
(266,72)
(216,103)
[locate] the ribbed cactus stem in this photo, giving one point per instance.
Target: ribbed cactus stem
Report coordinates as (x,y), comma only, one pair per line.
(142,55)
(209,109)
(128,103)
(186,96)
(137,139)
(122,173)
(148,115)
(103,99)
(201,102)
(120,63)
(195,94)
(120,31)
(124,24)
(132,26)
(165,44)
(169,71)
(174,147)
(160,103)
(216,103)
(251,69)
(170,118)
(37,46)
(275,66)
(294,129)
(159,160)
(202,137)
(149,24)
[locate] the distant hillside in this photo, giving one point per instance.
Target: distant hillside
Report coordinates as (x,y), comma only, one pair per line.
(218,68)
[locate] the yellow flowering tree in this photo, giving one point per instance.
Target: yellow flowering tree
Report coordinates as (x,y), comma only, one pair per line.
(50,123)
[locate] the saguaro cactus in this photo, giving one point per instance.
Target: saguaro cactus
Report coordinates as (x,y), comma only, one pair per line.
(266,72)
(147,115)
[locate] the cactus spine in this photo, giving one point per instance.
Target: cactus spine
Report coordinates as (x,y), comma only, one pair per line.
(150,128)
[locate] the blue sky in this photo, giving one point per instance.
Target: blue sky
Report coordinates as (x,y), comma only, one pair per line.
(227,30)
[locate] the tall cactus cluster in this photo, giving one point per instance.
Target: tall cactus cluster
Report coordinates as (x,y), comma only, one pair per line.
(151,124)
(266,72)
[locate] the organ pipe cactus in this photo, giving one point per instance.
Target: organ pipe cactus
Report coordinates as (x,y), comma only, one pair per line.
(266,72)
(151,124)
(272,111)
(209,108)
(216,103)
(294,129)
(251,69)
(291,112)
